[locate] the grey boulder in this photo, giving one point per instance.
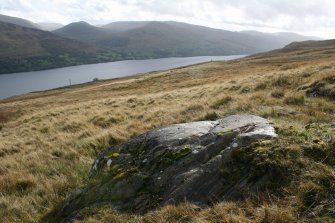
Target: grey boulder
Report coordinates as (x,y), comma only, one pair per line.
(190,161)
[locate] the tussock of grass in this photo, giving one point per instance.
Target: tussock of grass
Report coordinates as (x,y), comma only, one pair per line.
(4,116)
(278,94)
(260,86)
(281,81)
(212,116)
(221,102)
(294,99)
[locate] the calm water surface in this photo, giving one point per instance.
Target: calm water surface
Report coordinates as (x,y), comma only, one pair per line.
(19,83)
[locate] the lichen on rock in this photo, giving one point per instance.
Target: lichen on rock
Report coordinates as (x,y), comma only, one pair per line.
(189,161)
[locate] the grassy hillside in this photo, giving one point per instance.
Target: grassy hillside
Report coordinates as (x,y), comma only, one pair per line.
(24,49)
(49,139)
(18,21)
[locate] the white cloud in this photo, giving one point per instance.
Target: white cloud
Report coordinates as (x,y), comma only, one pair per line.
(311,17)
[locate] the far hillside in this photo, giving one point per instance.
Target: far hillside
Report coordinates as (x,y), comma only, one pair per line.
(153,39)
(18,21)
(25,49)
(26,46)
(83,31)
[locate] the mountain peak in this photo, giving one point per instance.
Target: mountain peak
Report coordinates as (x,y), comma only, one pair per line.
(82,23)
(82,31)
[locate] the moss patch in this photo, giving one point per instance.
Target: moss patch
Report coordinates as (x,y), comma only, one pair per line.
(177,155)
(124,174)
(112,155)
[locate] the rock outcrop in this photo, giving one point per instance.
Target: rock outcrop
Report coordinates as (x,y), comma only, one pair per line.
(322,88)
(192,161)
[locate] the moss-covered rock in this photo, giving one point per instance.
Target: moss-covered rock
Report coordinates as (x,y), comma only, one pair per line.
(322,88)
(200,162)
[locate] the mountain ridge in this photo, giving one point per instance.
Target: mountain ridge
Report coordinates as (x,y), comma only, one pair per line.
(25,49)
(125,40)
(82,31)
(18,21)
(170,38)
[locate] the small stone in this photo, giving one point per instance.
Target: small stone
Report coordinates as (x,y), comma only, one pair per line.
(195,151)
(109,162)
(193,171)
(235,145)
(95,166)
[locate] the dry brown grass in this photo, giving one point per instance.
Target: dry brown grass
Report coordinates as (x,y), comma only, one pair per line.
(49,139)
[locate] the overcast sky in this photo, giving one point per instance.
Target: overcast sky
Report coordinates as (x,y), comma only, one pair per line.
(309,17)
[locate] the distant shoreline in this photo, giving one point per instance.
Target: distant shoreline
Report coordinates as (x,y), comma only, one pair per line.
(37,81)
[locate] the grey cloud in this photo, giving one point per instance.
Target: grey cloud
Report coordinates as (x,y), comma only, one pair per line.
(305,16)
(179,8)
